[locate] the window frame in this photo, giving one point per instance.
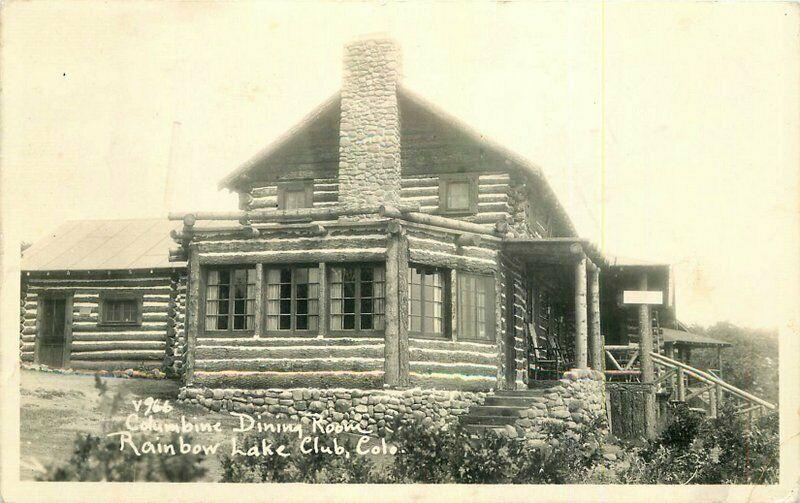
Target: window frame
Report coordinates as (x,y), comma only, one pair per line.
(489,303)
(306,186)
(230,331)
(106,296)
(444,191)
(356,332)
(447,329)
(267,332)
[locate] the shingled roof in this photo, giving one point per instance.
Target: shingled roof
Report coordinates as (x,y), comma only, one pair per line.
(103,245)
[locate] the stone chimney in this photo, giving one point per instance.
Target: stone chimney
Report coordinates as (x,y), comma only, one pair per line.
(369,131)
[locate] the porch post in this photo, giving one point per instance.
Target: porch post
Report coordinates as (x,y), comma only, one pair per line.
(597,350)
(396,330)
(581,328)
(646,361)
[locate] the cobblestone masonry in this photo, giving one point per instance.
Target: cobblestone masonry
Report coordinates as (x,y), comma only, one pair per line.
(372,409)
(578,399)
(369,130)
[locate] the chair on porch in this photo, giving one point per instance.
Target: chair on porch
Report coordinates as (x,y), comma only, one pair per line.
(548,358)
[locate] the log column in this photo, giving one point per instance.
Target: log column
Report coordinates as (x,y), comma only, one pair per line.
(194,293)
(646,361)
(581,328)
(396,365)
(597,349)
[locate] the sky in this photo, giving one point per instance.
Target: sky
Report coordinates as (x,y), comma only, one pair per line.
(668,131)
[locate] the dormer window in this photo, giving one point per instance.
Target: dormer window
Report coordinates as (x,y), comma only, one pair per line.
(295,195)
(458,194)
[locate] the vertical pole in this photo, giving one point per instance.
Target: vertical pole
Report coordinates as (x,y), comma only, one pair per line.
(681,385)
(597,350)
(646,362)
(260,305)
(712,402)
(719,362)
(392,329)
(193,311)
(581,328)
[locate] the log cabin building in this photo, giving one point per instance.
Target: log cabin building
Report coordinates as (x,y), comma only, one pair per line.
(102,295)
(385,260)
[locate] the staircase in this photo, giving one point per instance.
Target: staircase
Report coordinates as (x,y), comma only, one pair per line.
(501,410)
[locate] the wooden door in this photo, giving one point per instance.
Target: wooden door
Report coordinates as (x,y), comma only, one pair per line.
(54,331)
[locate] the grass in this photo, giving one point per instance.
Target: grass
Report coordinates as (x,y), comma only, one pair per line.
(54,408)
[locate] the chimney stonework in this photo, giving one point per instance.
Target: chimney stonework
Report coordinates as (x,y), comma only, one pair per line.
(369,129)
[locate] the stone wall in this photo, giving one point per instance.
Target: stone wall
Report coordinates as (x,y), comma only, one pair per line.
(372,409)
(578,399)
(369,129)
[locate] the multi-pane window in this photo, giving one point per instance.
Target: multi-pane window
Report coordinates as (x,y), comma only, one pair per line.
(230,299)
(120,311)
(357,295)
(292,299)
(476,307)
(426,300)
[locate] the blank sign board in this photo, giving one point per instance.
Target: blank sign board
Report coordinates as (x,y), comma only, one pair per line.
(643,297)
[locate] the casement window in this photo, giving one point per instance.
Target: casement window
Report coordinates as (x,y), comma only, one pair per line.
(120,309)
(295,195)
(427,301)
(357,297)
(230,300)
(458,194)
(476,307)
(292,299)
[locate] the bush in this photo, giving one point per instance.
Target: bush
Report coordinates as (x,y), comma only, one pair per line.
(714,451)
(99,459)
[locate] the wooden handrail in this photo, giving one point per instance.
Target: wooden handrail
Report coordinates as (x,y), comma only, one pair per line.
(709,379)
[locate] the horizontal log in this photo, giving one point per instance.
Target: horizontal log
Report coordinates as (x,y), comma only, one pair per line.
(293,365)
(486,348)
(452,382)
(94,327)
(26,357)
(96,290)
(419,181)
(116,336)
(301,351)
(283,257)
(437,221)
(304,243)
(127,281)
(457,368)
(416,354)
(115,364)
(83,347)
(262,380)
(449,261)
(266,191)
(118,355)
(208,215)
(271,341)
(263,202)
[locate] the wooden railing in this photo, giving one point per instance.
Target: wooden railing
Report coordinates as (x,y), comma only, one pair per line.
(708,388)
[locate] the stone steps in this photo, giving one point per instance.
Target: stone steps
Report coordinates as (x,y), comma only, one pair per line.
(501,410)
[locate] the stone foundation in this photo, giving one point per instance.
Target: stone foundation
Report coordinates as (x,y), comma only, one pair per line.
(371,409)
(577,400)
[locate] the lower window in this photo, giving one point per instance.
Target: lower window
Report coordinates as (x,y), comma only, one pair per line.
(428,291)
(230,300)
(293,299)
(476,307)
(120,309)
(357,295)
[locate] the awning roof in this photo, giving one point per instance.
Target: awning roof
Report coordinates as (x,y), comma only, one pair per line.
(103,245)
(681,337)
(553,250)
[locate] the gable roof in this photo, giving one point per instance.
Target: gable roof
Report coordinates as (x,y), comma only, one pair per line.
(102,245)
(322,125)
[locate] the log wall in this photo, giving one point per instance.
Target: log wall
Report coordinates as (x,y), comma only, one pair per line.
(99,347)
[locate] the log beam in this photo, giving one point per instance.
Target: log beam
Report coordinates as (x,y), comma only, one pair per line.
(581,326)
(597,351)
